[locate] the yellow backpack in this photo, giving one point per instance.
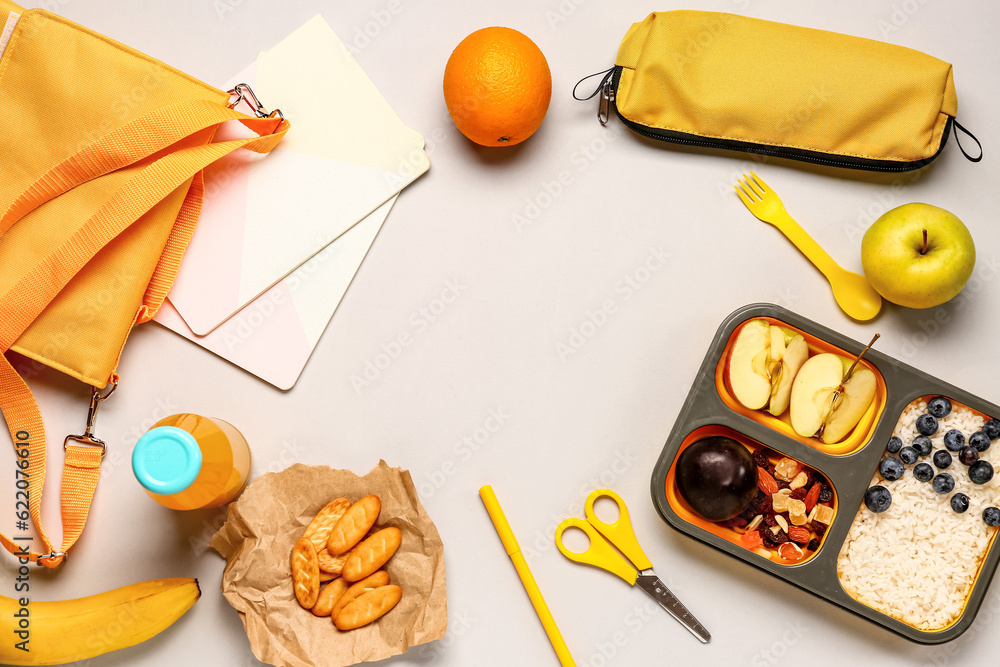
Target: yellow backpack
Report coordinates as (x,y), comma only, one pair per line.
(100,191)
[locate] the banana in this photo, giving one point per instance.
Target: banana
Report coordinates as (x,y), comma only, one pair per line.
(68,630)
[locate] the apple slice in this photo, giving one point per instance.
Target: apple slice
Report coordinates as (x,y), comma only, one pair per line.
(747,368)
(794,356)
(816,407)
(812,392)
(777,344)
(858,393)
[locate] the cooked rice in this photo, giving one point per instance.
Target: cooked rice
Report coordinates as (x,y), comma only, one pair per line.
(918,560)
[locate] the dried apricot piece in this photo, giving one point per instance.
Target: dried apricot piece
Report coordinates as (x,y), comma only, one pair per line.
(824,514)
(779,502)
(786,469)
(751,539)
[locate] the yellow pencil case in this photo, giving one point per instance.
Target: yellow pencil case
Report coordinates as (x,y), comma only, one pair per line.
(725,81)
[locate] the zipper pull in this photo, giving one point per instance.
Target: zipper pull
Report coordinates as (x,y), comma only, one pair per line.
(604,90)
(604,105)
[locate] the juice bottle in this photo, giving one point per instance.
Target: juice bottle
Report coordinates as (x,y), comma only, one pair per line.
(188,461)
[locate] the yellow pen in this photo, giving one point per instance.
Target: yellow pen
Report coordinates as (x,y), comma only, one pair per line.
(514,551)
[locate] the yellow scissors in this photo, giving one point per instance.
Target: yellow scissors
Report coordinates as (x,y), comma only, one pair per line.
(601,554)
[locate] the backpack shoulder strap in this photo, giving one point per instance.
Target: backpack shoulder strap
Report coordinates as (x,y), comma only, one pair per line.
(40,284)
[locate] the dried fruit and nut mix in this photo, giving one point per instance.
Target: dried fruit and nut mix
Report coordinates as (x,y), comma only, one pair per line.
(792,510)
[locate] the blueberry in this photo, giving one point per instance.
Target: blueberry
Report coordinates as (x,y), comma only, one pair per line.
(939,407)
(878,499)
(943,483)
(895,444)
(942,459)
(954,440)
(980,472)
(968,455)
(991,515)
(923,472)
(992,429)
(908,455)
(927,424)
(891,469)
(959,502)
(922,444)
(980,441)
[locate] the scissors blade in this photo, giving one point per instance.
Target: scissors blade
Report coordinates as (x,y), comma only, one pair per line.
(656,589)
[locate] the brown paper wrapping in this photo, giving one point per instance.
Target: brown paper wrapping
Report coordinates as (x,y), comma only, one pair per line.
(257,539)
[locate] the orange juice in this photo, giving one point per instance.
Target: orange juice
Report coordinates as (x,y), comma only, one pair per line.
(188,461)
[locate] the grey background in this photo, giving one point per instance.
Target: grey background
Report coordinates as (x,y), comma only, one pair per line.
(606,204)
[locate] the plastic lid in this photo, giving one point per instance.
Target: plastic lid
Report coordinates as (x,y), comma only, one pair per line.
(166,460)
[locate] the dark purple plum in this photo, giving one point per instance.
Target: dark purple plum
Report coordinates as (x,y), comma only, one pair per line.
(717,477)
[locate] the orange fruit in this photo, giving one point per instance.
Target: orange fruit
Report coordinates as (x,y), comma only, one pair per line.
(497,87)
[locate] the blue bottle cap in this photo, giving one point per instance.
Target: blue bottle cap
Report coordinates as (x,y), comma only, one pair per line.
(166,460)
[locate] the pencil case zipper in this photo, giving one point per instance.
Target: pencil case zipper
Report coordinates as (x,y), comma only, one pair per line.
(607,103)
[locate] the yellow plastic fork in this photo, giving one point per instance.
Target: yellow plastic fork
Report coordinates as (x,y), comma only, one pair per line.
(853,293)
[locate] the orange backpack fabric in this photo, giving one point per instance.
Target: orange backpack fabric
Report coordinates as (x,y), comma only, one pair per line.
(102,186)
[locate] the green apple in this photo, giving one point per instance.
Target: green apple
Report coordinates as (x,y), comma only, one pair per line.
(918,255)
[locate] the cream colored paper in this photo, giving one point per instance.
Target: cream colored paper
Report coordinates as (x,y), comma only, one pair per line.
(275,334)
(257,539)
(346,154)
